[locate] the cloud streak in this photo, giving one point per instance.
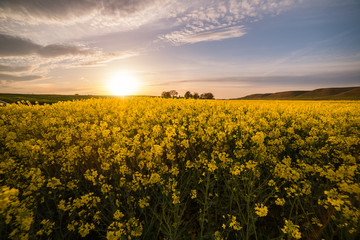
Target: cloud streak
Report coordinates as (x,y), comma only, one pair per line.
(37,67)
(16,46)
(49,22)
(15,78)
(65,11)
(218,20)
(188,21)
(9,68)
(181,37)
(350,78)
(35,61)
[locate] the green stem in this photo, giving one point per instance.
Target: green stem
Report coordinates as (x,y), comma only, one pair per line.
(205,204)
(247,197)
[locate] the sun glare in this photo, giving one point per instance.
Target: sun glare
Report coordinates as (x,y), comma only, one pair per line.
(123,83)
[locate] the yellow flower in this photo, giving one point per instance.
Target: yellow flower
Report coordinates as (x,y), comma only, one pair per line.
(193,194)
(261,210)
(234,224)
(176,199)
(155,178)
(291,229)
(144,202)
(316,221)
(217,236)
(280,201)
(118,215)
(212,166)
(271,183)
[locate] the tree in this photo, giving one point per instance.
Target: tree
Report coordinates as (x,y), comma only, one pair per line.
(173,93)
(188,95)
(165,94)
(196,95)
(208,95)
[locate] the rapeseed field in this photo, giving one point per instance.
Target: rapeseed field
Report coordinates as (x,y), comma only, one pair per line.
(152,168)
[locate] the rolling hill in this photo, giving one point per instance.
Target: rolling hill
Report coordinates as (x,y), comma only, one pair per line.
(347,93)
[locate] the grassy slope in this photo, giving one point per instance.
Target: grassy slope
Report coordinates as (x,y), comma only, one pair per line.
(349,93)
(41,99)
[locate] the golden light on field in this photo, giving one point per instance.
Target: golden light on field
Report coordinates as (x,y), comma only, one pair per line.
(123,83)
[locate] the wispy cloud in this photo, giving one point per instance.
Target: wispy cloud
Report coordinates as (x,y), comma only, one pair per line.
(181,37)
(38,67)
(9,77)
(218,20)
(102,58)
(16,46)
(35,61)
(64,20)
(9,68)
(34,19)
(66,11)
(349,78)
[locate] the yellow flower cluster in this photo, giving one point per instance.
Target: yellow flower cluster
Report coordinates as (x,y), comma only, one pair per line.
(261,210)
(193,193)
(280,201)
(154,168)
(15,213)
(291,229)
(234,224)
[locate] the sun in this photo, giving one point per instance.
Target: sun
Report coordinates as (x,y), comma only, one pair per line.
(123,83)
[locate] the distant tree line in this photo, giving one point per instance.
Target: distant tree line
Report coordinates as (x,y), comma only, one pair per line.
(188,94)
(169,94)
(207,95)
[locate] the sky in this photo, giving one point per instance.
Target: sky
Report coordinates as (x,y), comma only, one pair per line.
(231,48)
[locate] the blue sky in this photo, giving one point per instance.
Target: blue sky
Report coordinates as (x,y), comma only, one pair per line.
(231,48)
